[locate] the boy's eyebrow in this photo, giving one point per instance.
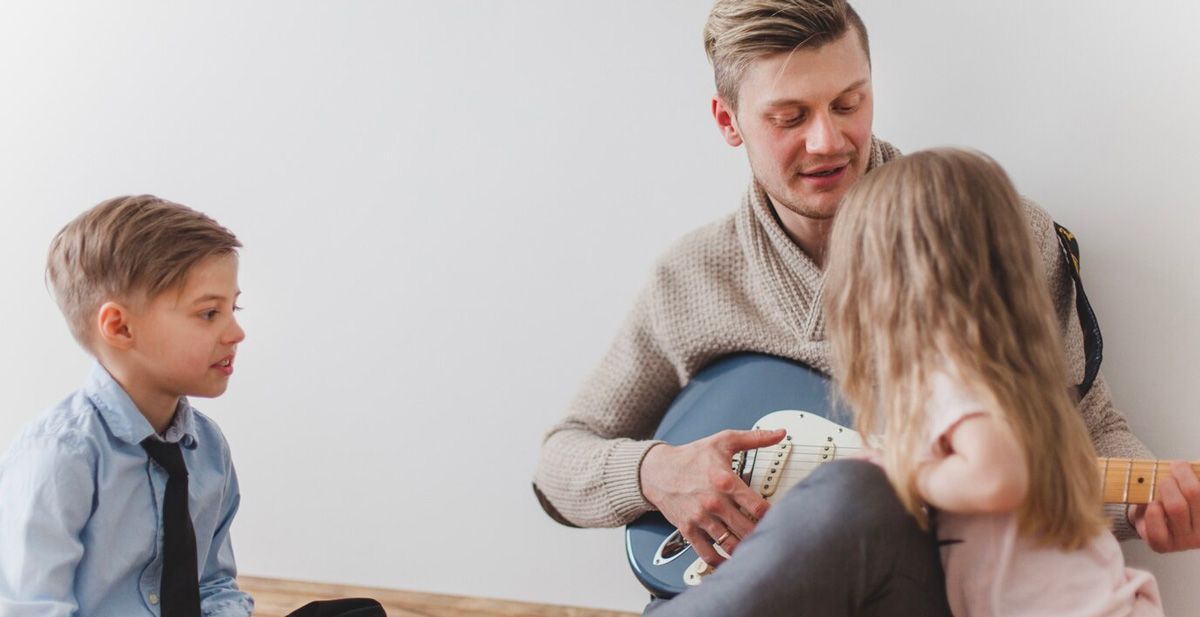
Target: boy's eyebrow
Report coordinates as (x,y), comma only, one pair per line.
(211,297)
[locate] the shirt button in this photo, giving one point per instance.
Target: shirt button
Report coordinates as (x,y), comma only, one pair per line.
(153,598)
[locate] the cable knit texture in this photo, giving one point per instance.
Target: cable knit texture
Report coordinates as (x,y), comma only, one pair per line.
(738,284)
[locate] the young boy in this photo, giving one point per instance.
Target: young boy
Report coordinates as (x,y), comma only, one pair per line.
(118,501)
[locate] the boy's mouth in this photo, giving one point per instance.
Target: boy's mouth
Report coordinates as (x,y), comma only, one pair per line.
(225,365)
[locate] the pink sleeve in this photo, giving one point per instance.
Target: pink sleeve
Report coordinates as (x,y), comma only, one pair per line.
(950,402)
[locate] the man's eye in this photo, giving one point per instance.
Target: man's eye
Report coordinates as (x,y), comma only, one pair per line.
(847,106)
(789,120)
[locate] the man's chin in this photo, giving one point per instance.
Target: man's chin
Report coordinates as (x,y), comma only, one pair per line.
(820,208)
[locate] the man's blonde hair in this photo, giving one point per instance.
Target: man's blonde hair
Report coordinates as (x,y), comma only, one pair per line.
(126,248)
(932,267)
(741,31)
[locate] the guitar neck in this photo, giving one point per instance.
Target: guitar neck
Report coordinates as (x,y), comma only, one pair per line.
(1134,481)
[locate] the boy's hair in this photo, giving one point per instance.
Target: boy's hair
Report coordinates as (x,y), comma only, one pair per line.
(932,267)
(128,247)
(741,31)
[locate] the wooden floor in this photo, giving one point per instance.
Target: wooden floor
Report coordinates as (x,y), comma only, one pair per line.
(277,598)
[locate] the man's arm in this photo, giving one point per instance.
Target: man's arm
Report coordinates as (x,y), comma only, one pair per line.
(599,469)
(219,593)
(588,469)
(46,491)
(1173,523)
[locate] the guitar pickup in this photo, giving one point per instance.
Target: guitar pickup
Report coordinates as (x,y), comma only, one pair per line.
(776,457)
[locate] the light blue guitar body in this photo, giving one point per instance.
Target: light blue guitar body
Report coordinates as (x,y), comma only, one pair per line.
(739,392)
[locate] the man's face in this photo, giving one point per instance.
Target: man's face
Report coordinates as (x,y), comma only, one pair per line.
(805,118)
(187,338)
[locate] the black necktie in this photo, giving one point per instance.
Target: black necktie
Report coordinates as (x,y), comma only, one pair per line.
(179,589)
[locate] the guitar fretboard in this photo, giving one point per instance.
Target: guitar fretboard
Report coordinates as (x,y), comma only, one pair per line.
(1134,481)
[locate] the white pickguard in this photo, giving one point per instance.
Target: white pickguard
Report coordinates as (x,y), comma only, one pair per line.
(811,441)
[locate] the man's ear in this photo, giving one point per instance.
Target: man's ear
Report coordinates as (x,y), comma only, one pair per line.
(726,121)
(113,321)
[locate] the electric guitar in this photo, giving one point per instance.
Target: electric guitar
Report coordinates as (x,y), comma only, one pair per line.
(749,391)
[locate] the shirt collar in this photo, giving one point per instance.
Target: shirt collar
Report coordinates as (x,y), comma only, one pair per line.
(124,419)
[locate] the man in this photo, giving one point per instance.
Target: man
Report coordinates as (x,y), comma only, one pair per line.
(794,87)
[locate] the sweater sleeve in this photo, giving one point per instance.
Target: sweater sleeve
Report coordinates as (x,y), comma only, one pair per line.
(588,472)
(1107,426)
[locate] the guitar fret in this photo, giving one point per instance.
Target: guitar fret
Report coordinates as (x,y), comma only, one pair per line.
(1106,462)
(1128,468)
(1135,487)
(1153,481)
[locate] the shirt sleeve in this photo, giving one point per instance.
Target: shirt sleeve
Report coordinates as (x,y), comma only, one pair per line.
(219,592)
(949,404)
(1106,425)
(47,489)
(588,472)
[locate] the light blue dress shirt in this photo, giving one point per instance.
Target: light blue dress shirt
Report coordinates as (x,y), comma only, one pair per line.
(81,524)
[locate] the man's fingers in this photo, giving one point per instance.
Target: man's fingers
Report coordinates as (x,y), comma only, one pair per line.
(1154,528)
(1173,505)
(750,502)
(1189,488)
(730,516)
(1136,515)
(735,441)
(702,542)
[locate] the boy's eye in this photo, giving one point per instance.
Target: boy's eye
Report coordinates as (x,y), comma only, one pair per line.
(209,315)
(236,308)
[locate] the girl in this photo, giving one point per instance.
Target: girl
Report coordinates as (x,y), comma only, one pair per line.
(944,342)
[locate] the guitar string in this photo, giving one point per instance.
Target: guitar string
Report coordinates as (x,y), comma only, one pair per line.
(799,468)
(1135,464)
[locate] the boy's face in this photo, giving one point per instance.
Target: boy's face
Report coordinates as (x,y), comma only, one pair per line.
(184,340)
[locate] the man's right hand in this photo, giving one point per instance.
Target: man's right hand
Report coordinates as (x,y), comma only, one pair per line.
(696,490)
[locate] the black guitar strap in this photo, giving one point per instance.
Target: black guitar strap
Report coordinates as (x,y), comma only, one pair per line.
(1093,343)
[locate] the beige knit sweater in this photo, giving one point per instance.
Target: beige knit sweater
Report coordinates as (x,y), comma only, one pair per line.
(738,284)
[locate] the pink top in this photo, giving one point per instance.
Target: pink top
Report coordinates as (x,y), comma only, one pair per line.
(991,571)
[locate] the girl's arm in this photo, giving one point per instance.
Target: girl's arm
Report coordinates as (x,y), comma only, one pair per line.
(983,469)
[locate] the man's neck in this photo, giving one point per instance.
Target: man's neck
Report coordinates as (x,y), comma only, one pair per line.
(811,235)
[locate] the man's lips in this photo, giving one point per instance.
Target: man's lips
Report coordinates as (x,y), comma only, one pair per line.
(824,178)
(824,171)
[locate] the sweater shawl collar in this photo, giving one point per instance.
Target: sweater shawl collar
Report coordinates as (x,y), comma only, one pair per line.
(778,267)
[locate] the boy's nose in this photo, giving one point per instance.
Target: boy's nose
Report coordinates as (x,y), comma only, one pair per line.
(236,334)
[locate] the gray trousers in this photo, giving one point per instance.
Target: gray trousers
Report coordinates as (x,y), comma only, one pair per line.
(839,544)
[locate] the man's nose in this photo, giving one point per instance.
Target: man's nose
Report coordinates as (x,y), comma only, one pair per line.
(824,137)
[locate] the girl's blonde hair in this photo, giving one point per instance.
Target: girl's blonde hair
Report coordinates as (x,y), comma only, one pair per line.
(932,267)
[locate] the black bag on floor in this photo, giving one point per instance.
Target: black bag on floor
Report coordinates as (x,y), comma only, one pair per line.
(345,607)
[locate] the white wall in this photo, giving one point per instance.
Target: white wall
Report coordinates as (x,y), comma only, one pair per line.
(448,207)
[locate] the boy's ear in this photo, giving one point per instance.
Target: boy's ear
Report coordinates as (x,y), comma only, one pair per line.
(113,322)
